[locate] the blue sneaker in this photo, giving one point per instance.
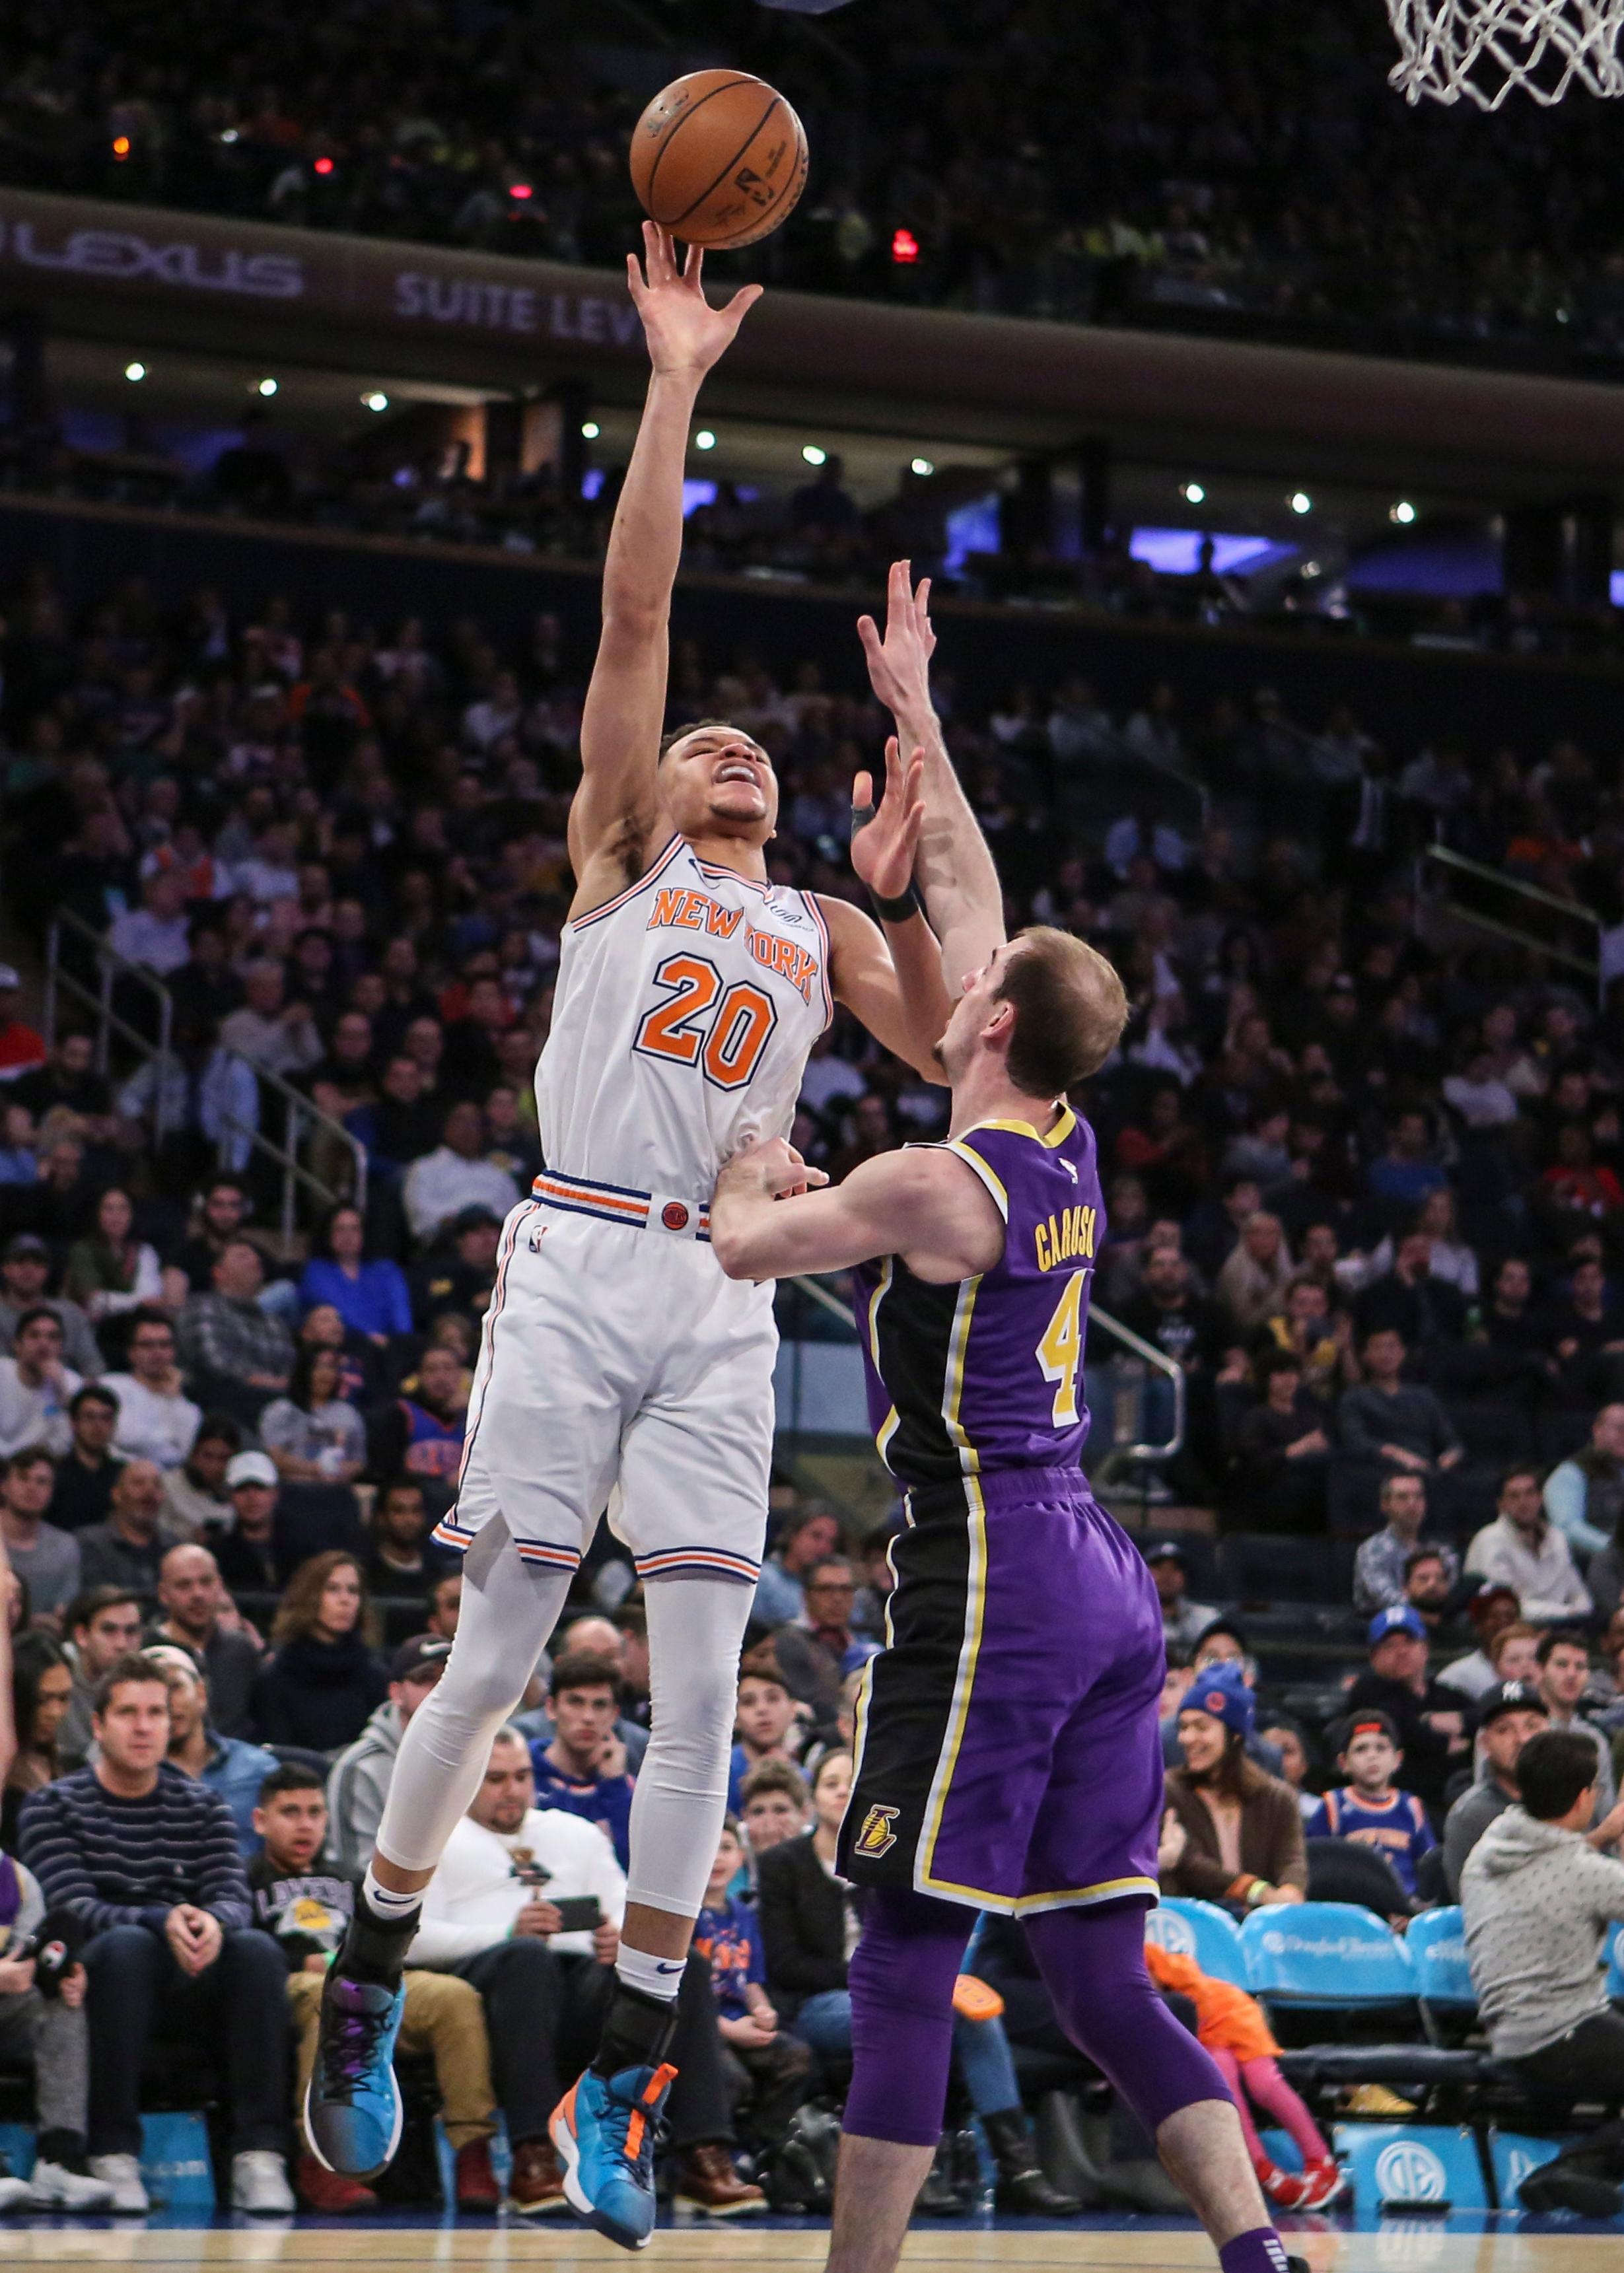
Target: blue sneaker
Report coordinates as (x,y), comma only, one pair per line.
(603,2132)
(352,2106)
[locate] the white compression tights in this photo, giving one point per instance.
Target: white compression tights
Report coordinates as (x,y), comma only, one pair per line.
(510,1610)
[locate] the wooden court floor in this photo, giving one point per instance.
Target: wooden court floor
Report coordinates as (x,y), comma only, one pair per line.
(1412,2245)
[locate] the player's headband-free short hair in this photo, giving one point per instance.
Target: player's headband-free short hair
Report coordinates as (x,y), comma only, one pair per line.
(1070,1010)
(583,1669)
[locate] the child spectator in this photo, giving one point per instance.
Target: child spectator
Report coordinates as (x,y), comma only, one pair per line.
(582,1769)
(1369,1809)
(768,2069)
(765,1723)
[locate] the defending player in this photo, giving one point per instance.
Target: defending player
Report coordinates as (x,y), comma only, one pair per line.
(1008,1753)
(690,992)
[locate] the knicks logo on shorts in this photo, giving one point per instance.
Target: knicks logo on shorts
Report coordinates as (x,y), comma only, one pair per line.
(673,1215)
(877,1837)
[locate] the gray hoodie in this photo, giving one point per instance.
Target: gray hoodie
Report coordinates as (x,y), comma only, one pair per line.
(358,1787)
(1537,1901)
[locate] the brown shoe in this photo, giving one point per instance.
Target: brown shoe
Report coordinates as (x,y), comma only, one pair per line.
(476,2180)
(707,2181)
(330,2191)
(537,2186)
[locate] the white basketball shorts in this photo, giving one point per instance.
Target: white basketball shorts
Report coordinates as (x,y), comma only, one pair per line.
(615,1350)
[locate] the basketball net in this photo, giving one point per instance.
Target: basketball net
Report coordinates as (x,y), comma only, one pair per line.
(1483,48)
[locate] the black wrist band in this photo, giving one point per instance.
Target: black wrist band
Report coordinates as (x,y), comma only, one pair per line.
(903,908)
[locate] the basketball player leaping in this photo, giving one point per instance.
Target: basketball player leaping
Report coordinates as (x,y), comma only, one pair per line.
(1009,1753)
(690,993)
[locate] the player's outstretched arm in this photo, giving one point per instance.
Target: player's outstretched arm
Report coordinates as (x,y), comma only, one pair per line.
(890,980)
(963,897)
(921,1203)
(626,702)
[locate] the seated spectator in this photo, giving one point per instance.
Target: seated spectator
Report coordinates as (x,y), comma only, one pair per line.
(46,1560)
(358,1784)
(237,1352)
(103,1624)
(458,1272)
(224,1211)
(402,1560)
(1256,1273)
(191,1597)
(766,1724)
(247,1552)
(36,1388)
(1543,1997)
(1379,1568)
(1290,1741)
(112,1270)
(1427,1589)
(777,1806)
(1405,1173)
(1283,1451)
(1584,1496)
(147,1861)
(582,1768)
(1369,1808)
(370,1298)
(808,1918)
(127,1551)
(1235,1835)
(88,1469)
(878,1583)
(421,1433)
(1182,1620)
(1168,1311)
(1428,1721)
(196,1503)
(1409,1301)
(322,1680)
(767,2070)
(1507,1716)
(304,1902)
(1564,1679)
(1522,1550)
(455,1176)
(812,1649)
(228,1764)
(443,1605)
(1492,1608)
(1395,1421)
(41,1692)
(490,1915)
(809,1534)
(278,1036)
(157,1421)
(312,1434)
(25,1272)
(1321,1339)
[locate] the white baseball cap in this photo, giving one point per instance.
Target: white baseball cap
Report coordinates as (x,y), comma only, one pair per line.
(250,1468)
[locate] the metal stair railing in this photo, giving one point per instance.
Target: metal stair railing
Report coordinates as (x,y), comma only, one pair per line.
(1564,918)
(1135,1344)
(301,1116)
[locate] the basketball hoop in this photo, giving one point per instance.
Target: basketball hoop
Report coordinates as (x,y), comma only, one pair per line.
(1483,48)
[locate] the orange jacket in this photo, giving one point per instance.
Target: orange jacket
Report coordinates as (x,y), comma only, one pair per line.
(1226,2019)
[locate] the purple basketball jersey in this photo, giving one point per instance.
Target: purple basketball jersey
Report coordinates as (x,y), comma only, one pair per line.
(987,1374)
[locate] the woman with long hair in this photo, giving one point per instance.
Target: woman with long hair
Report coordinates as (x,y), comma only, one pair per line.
(112,1270)
(370,1297)
(314,1434)
(1232,1834)
(323,1680)
(41,1692)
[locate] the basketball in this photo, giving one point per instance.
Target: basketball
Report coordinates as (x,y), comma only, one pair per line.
(719,159)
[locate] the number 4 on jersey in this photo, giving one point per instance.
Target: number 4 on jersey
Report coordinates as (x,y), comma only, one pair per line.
(1060,1353)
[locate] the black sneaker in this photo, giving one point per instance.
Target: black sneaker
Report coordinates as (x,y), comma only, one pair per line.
(1560,2186)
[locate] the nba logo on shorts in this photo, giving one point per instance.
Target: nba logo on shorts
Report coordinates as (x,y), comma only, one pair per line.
(673,1215)
(877,1837)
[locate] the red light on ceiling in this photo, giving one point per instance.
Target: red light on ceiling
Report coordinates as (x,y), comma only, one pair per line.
(519,190)
(323,165)
(904,246)
(121,147)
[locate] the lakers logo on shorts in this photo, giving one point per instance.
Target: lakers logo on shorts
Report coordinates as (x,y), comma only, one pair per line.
(877,1837)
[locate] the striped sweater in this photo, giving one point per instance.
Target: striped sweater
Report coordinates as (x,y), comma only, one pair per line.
(128,1861)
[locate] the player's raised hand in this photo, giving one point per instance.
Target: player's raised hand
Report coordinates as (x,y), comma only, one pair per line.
(685,333)
(899,662)
(885,837)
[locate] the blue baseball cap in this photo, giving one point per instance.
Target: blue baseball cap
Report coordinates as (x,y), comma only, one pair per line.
(1222,1691)
(1398,1618)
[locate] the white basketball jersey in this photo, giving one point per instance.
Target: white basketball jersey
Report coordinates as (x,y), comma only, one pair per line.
(685,1012)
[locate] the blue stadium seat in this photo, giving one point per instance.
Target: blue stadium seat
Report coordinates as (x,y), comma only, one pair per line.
(1610,1959)
(1437,1946)
(1201,1930)
(1333,1956)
